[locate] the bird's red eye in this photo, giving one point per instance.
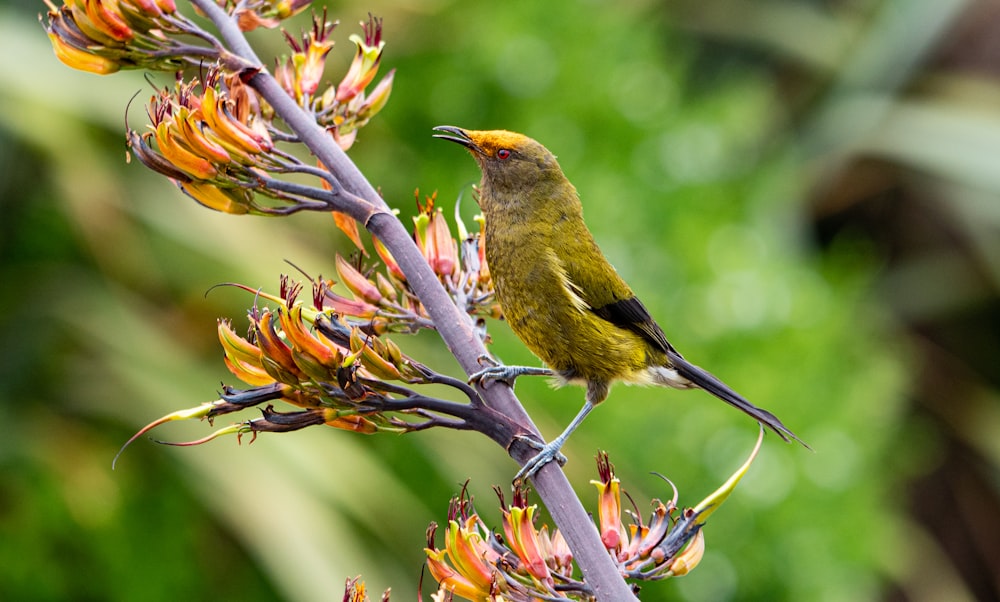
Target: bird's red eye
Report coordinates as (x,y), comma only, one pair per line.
(503,154)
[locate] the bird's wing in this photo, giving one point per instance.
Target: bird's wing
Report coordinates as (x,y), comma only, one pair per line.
(585,271)
(632,314)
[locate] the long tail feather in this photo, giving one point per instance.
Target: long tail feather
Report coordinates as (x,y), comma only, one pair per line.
(706,380)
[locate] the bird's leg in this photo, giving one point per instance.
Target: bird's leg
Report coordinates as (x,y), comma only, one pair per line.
(550,451)
(507,374)
(539,446)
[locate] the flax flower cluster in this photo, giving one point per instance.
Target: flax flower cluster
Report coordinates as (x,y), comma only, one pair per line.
(528,563)
(212,141)
(312,360)
(383,297)
(214,136)
(215,140)
(331,359)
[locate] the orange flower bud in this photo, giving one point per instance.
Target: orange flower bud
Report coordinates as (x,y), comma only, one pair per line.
(347,224)
(218,117)
(366,61)
(349,307)
(276,355)
(191,134)
(356,282)
(686,561)
(451,580)
(377,99)
(195,166)
(235,201)
(440,248)
(464,545)
(349,422)
(106,17)
(242,357)
(374,363)
(386,287)
(314,356)
(519,527)
(388,259)
(72,56)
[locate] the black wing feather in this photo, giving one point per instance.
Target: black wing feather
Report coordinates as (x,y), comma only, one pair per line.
(632,314)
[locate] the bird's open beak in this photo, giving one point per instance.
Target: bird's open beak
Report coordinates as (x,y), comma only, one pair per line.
(458,136)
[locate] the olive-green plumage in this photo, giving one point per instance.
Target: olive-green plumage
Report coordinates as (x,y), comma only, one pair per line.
(557,290)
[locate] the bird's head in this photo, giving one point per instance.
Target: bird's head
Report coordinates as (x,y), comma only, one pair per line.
(510,162)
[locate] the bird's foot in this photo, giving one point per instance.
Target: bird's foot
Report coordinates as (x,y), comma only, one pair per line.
(546,453)
(494,372)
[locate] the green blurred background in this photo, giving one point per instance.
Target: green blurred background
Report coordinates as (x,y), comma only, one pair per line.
(804,193)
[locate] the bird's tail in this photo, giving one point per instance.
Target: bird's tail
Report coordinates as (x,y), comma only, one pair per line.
(706,380)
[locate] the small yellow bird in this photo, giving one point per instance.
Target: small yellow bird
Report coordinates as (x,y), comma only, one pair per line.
(558,292)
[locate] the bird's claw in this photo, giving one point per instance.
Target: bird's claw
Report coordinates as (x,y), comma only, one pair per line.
(486,360)
(487,373)
(496,372)
(546,453)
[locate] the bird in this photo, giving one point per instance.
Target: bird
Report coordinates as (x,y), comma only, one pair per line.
(559,293)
